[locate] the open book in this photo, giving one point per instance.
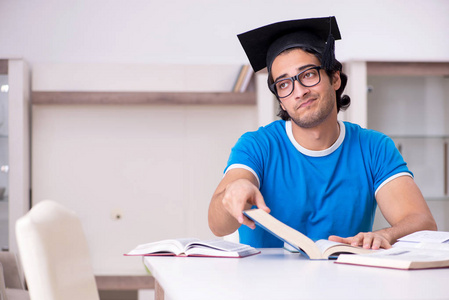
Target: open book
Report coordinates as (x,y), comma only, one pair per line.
(419,250)
(425,239)
(193,247)
(321,249)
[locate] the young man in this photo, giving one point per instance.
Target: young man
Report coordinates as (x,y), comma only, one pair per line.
(318,175)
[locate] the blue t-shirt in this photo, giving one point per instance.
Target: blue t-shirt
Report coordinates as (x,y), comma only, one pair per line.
(319,193)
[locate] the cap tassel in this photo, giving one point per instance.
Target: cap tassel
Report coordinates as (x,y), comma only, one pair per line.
(329,53)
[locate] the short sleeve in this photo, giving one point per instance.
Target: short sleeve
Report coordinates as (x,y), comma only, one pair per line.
(387,161)
(248,151)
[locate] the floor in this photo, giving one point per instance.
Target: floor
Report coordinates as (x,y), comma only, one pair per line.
(118,295)
(139,287)
(127,295)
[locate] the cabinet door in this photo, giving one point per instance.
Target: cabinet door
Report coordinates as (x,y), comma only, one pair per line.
(412,110)
(17,167)
(4,220)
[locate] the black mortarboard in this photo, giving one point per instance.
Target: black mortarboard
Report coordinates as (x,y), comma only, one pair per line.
(263,44)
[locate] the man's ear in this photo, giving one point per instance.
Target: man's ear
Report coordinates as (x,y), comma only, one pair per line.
(282,105)
(336,80)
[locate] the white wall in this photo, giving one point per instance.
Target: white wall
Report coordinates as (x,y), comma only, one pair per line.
(203,32)
(155,165)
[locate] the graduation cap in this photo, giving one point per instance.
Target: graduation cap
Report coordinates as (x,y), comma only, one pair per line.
(262,45)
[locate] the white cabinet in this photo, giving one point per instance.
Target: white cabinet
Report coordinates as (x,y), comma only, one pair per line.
(14,147)
(410,103)
(412,108)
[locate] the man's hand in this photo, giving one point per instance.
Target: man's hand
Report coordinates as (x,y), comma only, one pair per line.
(241,195)
(367,240)
(404,207)
(237,191)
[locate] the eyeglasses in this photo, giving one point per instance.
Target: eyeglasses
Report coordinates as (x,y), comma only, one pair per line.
(307,78)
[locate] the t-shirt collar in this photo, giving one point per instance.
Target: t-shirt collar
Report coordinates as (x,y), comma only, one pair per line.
(338,142)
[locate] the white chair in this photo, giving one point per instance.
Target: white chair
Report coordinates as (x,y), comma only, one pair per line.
(54,254)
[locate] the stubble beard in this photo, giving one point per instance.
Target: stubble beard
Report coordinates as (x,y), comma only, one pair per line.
(315,118)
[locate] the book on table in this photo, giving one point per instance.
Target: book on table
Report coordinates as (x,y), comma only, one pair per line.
(321,249)
(193,247)
(420,250)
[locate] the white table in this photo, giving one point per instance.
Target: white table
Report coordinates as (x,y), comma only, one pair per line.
(278,274)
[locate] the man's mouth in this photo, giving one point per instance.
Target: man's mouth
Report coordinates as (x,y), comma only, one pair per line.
(306,103)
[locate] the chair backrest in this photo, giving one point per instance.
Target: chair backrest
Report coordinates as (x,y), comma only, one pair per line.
(54,254)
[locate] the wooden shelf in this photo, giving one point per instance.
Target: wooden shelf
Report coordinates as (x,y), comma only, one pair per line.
(408,68)
(3,67)
(133,98)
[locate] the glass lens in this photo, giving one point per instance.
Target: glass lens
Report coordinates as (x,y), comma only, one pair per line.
(307,78)
(284,87)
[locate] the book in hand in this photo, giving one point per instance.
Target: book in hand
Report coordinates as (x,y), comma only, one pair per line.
(193,247)
(321,249)
(419,250)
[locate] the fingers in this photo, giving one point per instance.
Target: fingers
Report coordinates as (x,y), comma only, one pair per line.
(242,195)
(337,239)
(249,223)
(242,219)
(358,240)
(367,240)
(260,202)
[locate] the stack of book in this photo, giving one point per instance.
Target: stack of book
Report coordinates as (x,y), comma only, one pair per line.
(420,250)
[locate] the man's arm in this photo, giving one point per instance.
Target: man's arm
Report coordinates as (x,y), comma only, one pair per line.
(237,191)
(405,209)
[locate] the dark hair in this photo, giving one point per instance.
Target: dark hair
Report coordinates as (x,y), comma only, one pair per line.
(343,101)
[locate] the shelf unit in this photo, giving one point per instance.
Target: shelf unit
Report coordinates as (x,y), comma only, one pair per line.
(408,68)
(136,98)
(435,142)
(406,109)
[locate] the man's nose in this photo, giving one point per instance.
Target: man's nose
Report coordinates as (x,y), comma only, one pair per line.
(299,91)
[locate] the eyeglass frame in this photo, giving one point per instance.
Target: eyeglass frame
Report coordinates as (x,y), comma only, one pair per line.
(296,78)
